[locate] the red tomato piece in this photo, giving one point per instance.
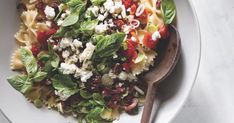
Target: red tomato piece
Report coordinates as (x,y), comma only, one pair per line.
(164,31)
(148,41)
(35,49)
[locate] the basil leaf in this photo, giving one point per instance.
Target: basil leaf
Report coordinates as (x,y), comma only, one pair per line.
(98,99)
(74,16)
(20,83)
(28,61)
(169,11)
(85,94)
(70,20)
(43,56)
(39,76)
(87,27)
(97,2)
(74,3)
(54,58)
(94,114)
(109,45)
(64,84)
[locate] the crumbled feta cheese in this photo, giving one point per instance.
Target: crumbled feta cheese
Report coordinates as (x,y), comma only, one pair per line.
(77,43)
(156,35)
(108,4)
(123,13)
(129,9)
(88,52)
(55,47)
(49,12)
(85,75)
(59,22)
(102,10)
(65,42)
(63,15)
(68,68)
(101,17)
(48,23)
(72,59)
(133,39)
(115,56)
(65,54)
(101,28)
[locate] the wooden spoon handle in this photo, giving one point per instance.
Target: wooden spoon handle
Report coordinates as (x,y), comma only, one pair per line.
(148,105)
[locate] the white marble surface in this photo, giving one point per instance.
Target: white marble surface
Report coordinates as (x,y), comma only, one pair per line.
(212,98)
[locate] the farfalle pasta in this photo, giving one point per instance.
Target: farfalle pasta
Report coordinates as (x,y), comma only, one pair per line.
(84,58)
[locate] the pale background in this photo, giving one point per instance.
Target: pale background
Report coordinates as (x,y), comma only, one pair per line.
(212,97)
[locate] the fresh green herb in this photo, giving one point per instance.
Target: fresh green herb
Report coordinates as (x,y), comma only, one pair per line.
(97,2)
(64,85)
(85,94)
(109,45)
(87,27)
(77,7)
(169,11)
(20,83)
(39,76)
(28,61)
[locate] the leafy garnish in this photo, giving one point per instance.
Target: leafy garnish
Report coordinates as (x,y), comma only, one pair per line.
(64,85)
(109,45)
(20,83)
(97,2)
(87,27)
(39,76)
(169,11)
(28,61)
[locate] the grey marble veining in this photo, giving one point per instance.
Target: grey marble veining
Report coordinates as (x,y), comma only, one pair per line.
(212,98)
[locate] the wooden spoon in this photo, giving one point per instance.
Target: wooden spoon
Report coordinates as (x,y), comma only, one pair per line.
(168,57)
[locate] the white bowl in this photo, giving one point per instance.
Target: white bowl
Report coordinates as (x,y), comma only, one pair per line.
(171,96)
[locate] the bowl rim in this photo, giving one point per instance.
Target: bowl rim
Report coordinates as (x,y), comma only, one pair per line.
(191,4)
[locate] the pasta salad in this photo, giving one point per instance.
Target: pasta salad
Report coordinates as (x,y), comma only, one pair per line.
(84,57)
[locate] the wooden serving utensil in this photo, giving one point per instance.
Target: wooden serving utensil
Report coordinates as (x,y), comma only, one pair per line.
(169,56)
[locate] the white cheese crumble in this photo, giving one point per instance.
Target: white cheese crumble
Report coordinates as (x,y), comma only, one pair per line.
(101,17)
(65,42)
(49,12)
(101,28)
(68,68)
(59,22)
(108,5)
(156,35)
(85,75)
(88,52)
(65,54)
(77,43)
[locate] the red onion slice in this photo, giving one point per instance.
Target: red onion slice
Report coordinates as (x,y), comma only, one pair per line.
(132,106)
(135,23)
(140,10)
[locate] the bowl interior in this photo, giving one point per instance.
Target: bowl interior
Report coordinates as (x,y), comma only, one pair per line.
(170,98)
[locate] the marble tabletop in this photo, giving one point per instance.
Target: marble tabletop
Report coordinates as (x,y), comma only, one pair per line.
(212,97)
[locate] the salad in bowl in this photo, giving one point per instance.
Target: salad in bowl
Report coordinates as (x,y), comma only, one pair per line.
(84,57)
